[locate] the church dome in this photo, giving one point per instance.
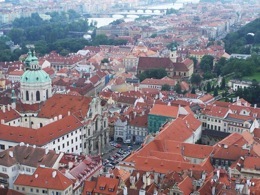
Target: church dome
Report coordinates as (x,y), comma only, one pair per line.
(35,76)
(35,83)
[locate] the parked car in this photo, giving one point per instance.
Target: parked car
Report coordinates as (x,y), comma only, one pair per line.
(118,146)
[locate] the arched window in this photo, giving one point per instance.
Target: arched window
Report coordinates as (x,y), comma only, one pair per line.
(32,96)
(37,96)
(47,94)
(41,125)
(27,96)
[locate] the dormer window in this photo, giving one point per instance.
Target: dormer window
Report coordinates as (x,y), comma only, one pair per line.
(101,188)
(111,189)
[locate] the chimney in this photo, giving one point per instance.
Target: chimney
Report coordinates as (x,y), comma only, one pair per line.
(8,107)
(218,172)
(54,173)
(11,154)
(137,176)
(46,151)
(68,113)
(70,164)
(142,192)
(213,190)
(125,191)
(60,116)
(3,109)
(2,121)
(55,118)
(36,175)
(144,179)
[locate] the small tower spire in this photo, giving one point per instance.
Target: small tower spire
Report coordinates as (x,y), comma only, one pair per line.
(13,98)
(173,54)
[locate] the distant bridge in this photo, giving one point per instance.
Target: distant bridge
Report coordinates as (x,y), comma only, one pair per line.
(125,14)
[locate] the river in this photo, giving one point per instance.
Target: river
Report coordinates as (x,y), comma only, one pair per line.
(105,21)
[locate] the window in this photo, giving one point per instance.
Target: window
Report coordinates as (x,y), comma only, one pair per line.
(31,190)
(2,147)
(4,169)
(17,188)
(23,189)
(28,169)
(37,190)
(37,96)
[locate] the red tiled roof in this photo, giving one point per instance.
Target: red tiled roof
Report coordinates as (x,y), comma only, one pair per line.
(252,163)
(216,111)
(106,185)
(146,63)
(232,152)
(41,136)
(8,115)
(165,110)
(196,150)
(44,178)
(62,104)
(139,121)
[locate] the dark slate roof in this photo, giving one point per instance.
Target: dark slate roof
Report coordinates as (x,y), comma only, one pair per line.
(146,63)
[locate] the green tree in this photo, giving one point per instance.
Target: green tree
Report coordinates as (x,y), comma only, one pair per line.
(206,63)
(17,35)
(215,92)
(105,60)
(193,90)
(208,87)
(153,35)
(223,83)
(195,79)
(177,88)
(195,61)
(152,73)
(166,87)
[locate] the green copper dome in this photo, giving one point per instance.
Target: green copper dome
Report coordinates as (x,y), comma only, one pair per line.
(28,59)
(35,76)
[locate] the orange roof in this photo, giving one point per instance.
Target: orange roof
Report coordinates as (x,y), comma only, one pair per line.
(196,150)
(216,111)
(232,139)
(186,185)
(44,178)
(252,163)
(8,115)
(122,174)
(180,129)
(206,98)
(106,185)
(41,136)
(62,104)
(164,110)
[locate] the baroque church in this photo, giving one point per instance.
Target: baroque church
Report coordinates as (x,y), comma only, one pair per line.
(61,122)
(175,67)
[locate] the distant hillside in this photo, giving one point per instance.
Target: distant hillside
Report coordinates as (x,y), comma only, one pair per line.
(246,40)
